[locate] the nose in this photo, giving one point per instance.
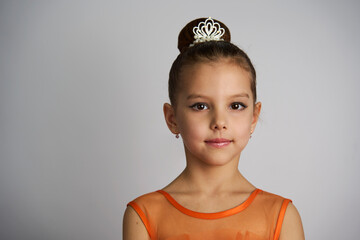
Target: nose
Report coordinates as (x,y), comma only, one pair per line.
(219,121)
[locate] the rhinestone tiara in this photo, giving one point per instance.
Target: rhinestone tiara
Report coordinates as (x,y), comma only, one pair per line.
(209,30)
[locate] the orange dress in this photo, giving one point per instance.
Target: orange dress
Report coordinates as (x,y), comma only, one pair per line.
(258,218)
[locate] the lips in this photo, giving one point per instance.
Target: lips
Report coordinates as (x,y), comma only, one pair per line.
(218,142)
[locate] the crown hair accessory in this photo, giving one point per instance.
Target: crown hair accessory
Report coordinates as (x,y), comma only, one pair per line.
(209,30)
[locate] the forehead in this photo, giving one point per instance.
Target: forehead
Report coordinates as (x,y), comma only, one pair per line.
(215,79)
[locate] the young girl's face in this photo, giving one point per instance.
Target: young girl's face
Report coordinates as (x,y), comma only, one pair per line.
(215,112)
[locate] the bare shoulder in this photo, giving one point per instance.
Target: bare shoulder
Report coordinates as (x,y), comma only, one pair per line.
(292,226)
(133,227)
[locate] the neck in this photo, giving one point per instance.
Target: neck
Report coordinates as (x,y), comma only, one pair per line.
(202,178)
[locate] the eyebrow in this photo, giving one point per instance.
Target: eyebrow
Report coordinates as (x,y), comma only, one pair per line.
(194,96)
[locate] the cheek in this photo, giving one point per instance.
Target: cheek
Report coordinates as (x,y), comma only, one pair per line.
(193,128)
(242,126)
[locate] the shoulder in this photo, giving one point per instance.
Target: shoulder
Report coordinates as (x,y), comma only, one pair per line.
(135,223)
(151,199)
(289,225)
(271,200)
(292,226)
(269,195)
(133,227)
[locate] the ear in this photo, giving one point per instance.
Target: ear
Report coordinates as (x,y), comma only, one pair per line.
(256,114)
(169,114)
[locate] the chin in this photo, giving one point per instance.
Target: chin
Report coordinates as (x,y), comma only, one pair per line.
(218,162)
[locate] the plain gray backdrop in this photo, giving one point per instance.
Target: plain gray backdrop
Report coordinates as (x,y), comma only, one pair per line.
(82,84)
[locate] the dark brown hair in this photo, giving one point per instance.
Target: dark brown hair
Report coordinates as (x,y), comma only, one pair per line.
(210,51)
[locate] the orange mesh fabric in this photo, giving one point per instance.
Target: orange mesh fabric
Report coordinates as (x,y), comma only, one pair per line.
(258,218)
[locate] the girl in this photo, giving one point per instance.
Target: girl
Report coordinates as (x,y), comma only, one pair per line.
(212,90)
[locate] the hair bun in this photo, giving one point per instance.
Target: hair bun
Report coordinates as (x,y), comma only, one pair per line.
(186,35)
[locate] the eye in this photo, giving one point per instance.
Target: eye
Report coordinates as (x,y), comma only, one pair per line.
(237,106)
(199,106)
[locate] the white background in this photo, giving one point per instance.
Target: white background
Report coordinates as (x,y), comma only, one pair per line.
(82,133)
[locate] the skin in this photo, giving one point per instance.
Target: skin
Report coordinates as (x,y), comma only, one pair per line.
(215,102)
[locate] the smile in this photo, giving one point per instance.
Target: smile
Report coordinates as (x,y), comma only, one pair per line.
(218,142)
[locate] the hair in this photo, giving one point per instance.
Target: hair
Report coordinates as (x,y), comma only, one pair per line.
(211,51)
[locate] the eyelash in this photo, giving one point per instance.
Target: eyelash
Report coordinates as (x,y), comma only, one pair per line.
(196,105)
(204,105)
(243,106)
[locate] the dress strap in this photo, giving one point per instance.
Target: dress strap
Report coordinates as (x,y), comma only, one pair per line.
(281,218)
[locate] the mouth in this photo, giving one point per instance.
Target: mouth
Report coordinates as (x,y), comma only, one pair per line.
(218,142)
